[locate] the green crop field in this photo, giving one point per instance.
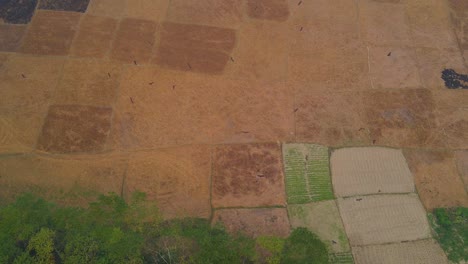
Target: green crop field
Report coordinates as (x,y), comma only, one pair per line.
(307,173)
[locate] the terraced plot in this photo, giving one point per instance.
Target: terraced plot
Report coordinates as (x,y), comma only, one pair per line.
(378,219)
(360,171)
(422,251)
(307,173)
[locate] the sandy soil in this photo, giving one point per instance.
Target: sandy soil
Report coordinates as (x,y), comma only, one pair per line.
(413,252)
(359,171)
(378,219)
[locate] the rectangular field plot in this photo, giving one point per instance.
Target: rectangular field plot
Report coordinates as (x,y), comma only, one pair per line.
(378,219)
(307,173)
(422,251)
(322,218)
(371,170)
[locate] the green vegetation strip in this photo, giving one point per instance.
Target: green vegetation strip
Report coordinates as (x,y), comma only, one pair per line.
(451,228)
(341,258)
(307,173)
(110,230)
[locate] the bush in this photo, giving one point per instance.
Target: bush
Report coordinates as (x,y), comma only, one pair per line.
(269,249)
(451,228)
(33,230)
(302,246)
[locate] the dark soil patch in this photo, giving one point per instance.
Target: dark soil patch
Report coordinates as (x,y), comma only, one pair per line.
(17,11)
(65,5)
(454,80)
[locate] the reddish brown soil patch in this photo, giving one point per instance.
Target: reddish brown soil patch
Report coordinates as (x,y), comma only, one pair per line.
(226,13)
(75,128)
(331,119)
(400,118)
(51,33)
(268,9)
(254,222)
(159,107)
(437,179)
(88,82)
(10,37)
(177,179)
(134,41)
(195,48)
(452,128)
(27,85)
(94,36)
(248,175)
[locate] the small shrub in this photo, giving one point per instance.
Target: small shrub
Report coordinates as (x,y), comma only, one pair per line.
(451,228)
(269,248)
(304,247)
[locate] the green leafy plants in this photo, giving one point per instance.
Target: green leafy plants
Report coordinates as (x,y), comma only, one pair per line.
(269,249)
(451,228)
(111,230)
(303,246)
(307,173)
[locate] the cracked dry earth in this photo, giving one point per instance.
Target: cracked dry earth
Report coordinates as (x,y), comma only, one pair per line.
(265,115)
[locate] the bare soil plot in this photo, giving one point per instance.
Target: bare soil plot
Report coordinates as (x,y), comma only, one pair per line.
(88,82)
(322,218)
(248,175)
(10,37)
(384,22)
(255,56)
(462,165)
(431,63)
(146,9)
(400,117)
(176,179)
(378,219)
(68,181)
(195,48)
(421,251)
(96,30)
(134,41)
(452,128)
(431,24)
(372,170)
(28,84)
(307,173)
(436,177)
(107,8)
(51,33)
(254,222)
(331,119)
(228,13)
(158,107)
(393,67)
(75,128)
(270,10)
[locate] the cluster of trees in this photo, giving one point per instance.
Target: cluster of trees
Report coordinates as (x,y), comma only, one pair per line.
(110,230)
(451,228)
